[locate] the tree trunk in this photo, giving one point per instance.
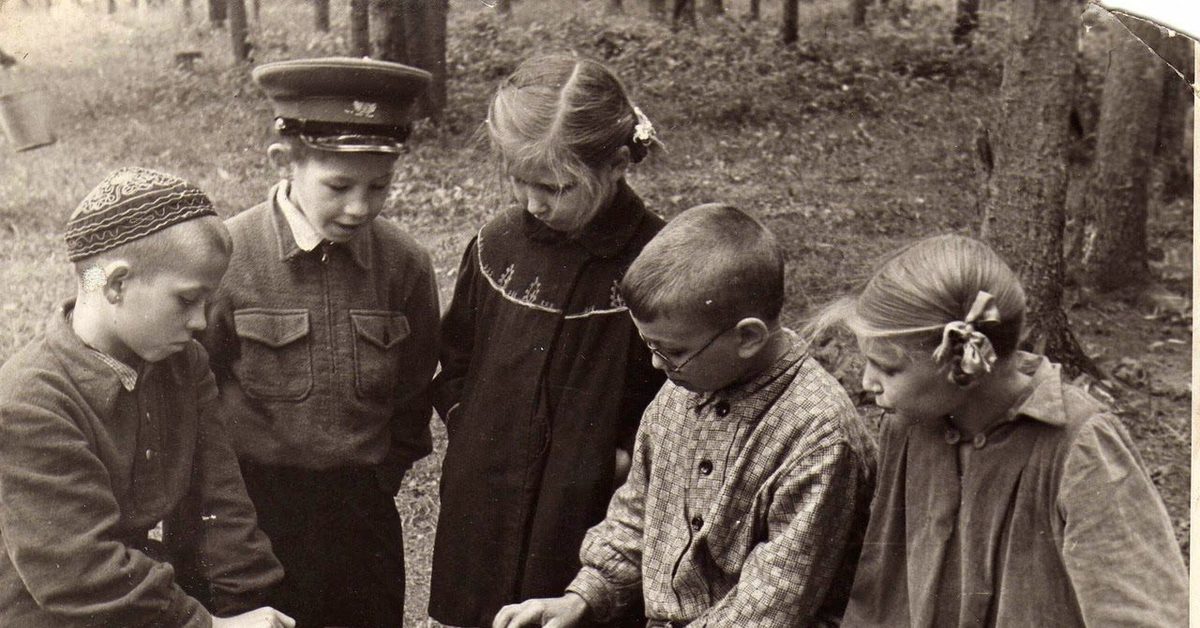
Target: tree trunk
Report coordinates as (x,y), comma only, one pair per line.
(112,6)
(684,11)
(658,8)
(1114,255)
(425,43)
(504,7)
(321,15)
(789,30)
(360,28)
(713,8)
(755,10)
(614,7)
(387,26)
(216,13)
(858,12)
(237,29)
(187,10)
(1024,209)
(966,20)
(257,12)
(1172,149)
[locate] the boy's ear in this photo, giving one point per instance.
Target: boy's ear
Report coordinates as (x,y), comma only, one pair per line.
(282,158)
(752,334)
(117,275)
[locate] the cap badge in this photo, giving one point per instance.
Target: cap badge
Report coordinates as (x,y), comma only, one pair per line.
(362,109)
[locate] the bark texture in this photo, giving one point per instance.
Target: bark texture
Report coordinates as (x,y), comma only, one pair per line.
(1024,210)
(360,28)
(238,33)
(321,15)
(966,20)
(1114,254)
(789,28)
(424,23)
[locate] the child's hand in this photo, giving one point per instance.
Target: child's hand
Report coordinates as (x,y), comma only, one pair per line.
(621,467)
(265,617)
(552,612)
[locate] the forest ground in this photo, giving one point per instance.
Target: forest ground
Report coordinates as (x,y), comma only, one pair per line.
(847,144)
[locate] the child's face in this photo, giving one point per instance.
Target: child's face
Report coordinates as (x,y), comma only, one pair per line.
(906,381)
(561,202)
(694,356)
(160,309)
(340,193)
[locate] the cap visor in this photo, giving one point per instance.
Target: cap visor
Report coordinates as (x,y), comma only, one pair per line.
(354,144)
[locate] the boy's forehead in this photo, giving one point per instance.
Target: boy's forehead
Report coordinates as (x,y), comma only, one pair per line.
(369,165)
(674,329)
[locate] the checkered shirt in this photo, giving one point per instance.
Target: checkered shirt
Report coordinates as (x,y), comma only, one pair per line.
(739,506)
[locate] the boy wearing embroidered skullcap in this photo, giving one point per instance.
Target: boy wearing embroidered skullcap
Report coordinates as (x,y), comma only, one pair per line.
(324,340)
(121,503)
(751,469)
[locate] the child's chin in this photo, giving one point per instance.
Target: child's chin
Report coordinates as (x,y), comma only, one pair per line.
(163,353)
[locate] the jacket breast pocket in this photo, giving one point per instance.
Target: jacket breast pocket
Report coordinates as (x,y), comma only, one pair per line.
(276,361)
(378,335)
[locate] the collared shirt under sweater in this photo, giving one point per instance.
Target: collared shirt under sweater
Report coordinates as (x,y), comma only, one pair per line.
(92,461)
(743,507)
(324,356)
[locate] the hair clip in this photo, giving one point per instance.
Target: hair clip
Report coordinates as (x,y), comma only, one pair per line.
(970,352)
(643,131)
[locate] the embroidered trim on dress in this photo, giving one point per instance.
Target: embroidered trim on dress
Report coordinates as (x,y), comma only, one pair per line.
(530,298)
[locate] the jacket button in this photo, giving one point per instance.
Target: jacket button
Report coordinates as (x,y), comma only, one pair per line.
(706,467)
(722,408)
(697,523)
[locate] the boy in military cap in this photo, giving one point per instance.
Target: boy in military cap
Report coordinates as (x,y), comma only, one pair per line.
(324,340)
(119,489)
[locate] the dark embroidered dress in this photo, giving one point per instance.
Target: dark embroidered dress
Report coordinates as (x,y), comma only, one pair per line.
(543,377)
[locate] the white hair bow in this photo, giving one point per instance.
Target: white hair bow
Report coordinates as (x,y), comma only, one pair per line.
(970,352)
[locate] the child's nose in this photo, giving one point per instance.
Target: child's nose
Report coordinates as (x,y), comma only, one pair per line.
(357,207)
(197,321)
(535,205)
(869,383)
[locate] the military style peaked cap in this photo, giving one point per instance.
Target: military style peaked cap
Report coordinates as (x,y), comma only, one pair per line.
(343,104)
(128,204)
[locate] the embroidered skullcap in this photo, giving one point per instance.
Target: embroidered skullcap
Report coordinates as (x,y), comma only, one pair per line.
(129,204)
(343,104)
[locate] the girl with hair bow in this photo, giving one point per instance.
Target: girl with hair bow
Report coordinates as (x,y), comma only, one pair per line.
(1006,496)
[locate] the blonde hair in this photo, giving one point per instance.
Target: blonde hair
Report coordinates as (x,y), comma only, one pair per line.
(910,297)
(567,114)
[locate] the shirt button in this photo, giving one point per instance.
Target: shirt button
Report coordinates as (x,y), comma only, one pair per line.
(706,467)
(953,436)
(722,408)
(979,441)
(697,523)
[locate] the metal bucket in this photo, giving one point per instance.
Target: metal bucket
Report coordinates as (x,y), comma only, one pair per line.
(25,117)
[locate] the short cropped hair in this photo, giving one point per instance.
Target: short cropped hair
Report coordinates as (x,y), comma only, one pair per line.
(169,249)
(712,262)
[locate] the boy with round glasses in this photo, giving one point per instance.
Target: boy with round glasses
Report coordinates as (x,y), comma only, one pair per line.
(751,470)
